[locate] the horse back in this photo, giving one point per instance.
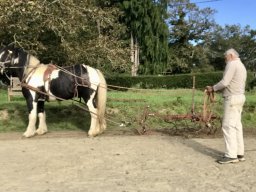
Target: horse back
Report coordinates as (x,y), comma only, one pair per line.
(72,81)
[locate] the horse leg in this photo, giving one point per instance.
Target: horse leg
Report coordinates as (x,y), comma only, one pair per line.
(42,127)
(101,99)
(94,127)
(96,101)
(31,129)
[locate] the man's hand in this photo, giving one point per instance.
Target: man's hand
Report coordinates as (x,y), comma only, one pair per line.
(209,89)
(210,92)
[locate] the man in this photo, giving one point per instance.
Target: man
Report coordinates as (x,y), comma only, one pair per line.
(232,87)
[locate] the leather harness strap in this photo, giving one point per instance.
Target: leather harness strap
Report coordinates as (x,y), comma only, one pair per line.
(47,73)
(80,80)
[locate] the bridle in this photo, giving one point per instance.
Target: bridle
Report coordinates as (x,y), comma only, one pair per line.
(8,60)
(9,63)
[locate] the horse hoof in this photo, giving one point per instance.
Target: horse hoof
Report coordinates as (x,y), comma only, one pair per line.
(28,135)
(91,135)
(41,132)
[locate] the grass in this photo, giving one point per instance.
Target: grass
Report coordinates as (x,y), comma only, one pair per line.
(60,115)
(122,108)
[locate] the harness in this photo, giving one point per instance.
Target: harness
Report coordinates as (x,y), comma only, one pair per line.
(47,73)
(11,62)
(2,64)
(80,79)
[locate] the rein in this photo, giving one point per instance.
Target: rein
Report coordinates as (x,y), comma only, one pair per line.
(25,85)
(209,99)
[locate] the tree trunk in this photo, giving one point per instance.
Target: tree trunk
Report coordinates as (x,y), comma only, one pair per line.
(134,56)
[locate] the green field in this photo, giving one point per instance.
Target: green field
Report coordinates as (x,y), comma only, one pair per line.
(123,108)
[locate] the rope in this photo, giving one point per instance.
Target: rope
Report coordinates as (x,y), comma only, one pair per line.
(208,100)
(23,84)
(61,99)
(107,118)
(207,96)
(47,94)
(100,85)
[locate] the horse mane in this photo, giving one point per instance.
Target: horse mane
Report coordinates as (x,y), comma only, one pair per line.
(25,59)
(33,61)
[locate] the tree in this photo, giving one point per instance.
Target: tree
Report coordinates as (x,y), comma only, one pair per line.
(233,36)
(66,31)
(189,26)
(148,34)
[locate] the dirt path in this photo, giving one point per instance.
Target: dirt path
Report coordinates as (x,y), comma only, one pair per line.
(72,162)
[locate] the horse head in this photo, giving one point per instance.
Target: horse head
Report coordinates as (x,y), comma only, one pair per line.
(15,61)
(9,58)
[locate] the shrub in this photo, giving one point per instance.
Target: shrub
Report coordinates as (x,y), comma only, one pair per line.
(169,82)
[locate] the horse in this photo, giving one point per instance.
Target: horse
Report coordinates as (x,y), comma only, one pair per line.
(48,82)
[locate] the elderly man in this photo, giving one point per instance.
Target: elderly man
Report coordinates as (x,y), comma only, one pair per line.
(232,87)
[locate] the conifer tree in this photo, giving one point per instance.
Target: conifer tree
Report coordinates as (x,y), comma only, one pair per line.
(148,33)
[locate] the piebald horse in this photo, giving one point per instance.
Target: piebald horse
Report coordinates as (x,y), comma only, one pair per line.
(50,82)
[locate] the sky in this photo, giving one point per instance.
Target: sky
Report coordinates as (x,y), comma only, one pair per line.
(231,12)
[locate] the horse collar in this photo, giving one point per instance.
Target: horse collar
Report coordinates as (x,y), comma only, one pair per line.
(48,72)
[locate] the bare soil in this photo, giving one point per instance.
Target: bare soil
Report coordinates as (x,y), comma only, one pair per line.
(119,161)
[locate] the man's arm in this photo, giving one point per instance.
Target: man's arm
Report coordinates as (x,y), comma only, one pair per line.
(227,77)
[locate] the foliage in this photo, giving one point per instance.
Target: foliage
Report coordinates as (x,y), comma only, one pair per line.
(146,22)
(98,32)
(189,26)
(233,36)
(65,32)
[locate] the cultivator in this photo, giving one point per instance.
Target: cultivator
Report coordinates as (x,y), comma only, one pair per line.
(205,121)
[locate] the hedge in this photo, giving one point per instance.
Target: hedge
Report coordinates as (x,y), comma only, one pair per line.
(170,82)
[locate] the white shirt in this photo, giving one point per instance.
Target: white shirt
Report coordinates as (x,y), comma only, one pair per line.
(234,79)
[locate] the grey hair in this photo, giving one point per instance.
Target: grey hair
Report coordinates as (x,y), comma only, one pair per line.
(232,52)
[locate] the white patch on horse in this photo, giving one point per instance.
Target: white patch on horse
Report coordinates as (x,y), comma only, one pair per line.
(16,61)
(55,74)
(35,79)
(93,77)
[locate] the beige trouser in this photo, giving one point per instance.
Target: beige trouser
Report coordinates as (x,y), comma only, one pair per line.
(232,126)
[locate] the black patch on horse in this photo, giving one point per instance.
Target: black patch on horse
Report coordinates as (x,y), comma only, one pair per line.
(29,99)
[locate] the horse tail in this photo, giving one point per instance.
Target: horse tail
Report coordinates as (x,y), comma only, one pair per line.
(101,101)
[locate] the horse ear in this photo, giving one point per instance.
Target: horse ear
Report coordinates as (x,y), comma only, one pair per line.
(11,45)
(2,46)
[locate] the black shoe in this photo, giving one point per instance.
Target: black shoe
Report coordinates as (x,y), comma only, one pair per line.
(240,158)
(226,160)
